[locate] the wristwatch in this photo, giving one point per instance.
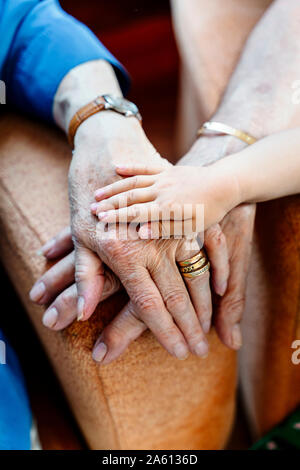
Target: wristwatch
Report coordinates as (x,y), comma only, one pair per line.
(102,103)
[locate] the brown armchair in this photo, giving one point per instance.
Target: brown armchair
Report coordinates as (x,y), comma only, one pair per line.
(144,400)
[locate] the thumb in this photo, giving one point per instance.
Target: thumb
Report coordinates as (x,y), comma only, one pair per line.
(89,276)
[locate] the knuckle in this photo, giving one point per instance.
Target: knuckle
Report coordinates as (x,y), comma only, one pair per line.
(81,272)
(195,337)
(147,303)
(133,211)
(233,308)
(130,196)
(176,300)
(134,182)
(168,334)
(215,236)
(107,204)
(113,336)
(66,299)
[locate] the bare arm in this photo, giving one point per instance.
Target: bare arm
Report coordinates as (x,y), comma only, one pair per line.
(259,95)
(258,99)
(269,169)
(101,142)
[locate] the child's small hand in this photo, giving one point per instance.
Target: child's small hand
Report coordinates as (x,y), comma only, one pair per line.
(153,194)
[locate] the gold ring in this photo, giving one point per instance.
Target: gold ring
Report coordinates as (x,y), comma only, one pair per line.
(199,272)
(192,260)
(193,267)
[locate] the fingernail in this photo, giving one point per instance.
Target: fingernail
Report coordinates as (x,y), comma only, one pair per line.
(46,249)
(222,288)
(50,318)
(37,291)
(120,167)
(206,326)
(102,215)
(181,351)
(80,308)
(99,352)
(94,206)
(201,349)
(236,337)
(99,193)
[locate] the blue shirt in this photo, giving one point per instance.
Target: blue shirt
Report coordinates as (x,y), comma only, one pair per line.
(40,44)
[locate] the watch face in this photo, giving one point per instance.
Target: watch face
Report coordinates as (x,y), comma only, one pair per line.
(121,105)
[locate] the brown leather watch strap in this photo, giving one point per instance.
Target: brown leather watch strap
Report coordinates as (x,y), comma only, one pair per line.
(82,114)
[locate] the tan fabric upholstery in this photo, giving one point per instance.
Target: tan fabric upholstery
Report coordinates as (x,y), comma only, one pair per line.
(144,400)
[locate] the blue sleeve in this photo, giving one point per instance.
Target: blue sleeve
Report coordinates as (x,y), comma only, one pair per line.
(15,414)
(41,44)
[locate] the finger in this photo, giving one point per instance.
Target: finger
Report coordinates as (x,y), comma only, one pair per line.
(127,170)
(178,304)
(116,337)
(89,275)
(123,185)
(167,229)
(53,281)
(217,252)
(229,312)
(231,306)
(128,198)
(198,288)
(150,308)
(138,213)
(60,245)
(63,310)
(111,284)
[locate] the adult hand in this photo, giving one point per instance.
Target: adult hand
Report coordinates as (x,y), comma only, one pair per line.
(147,270)
(237,228)
(57,286)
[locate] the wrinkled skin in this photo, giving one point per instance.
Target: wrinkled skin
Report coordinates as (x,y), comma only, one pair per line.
(147,269)
(157,258)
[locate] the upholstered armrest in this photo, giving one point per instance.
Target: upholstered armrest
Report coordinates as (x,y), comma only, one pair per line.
(144,400)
